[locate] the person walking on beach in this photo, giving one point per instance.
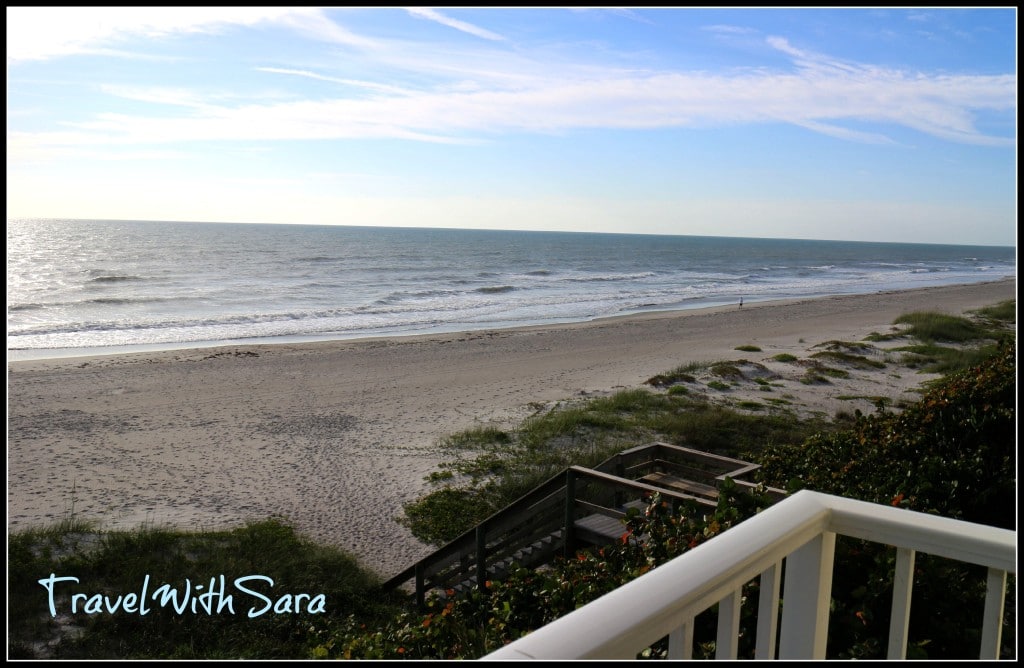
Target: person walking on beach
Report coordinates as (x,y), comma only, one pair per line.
(741,302)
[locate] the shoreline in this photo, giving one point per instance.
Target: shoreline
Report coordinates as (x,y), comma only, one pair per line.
(335,436)
(35,354)
(19,355)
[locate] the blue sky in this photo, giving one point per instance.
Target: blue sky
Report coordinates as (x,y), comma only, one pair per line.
(859,124)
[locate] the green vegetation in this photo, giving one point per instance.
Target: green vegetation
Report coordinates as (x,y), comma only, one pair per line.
(994,323)
(952,454)
(748,348)
(856,361)
(496,473)
(479,436)
(471,625)
(502,466)
(998,316)
(875,399)
(944,454)
(681,374)
(728,369)
(117,563)
(818,373)
(928,326)
(785,357)
(932,358)
(858,347)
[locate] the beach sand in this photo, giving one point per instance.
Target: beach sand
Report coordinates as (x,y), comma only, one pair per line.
(335,436)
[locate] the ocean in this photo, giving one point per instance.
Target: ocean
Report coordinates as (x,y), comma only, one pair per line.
(89,287)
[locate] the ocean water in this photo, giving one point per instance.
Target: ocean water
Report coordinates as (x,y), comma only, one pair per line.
(76,287)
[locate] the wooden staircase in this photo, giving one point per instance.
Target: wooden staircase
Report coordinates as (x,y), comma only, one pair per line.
(577,508)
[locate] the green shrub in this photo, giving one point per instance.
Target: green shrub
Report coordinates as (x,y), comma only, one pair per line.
(117,562)
(467,626)
(940,453)
(444,514)
(953,454)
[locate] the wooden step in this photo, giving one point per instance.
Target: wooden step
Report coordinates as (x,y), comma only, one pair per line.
(599,529)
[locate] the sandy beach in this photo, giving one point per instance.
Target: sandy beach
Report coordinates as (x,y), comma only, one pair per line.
(336,436)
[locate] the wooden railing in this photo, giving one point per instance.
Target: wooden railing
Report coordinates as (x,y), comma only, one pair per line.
(534,516)
(549,520)
(695,465)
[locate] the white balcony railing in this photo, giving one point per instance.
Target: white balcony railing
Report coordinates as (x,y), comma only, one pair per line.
(801,530)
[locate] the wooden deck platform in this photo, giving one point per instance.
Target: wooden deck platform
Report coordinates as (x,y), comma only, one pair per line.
(681,484)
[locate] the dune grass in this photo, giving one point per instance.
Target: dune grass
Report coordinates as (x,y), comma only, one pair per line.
(933,358)
(856,361)
(117,563)
(929,326)
(945,344)
(998,315)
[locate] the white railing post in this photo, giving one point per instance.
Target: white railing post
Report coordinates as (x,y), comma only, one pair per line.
(768,612)
(680,642)
(727,642)
(805,603)
(902,588)
(992,621)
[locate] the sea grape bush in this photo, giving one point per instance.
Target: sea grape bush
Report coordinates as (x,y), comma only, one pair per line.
(951,454)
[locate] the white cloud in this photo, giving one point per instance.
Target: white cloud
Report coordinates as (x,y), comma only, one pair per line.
(37,33)
(815,97)
(345,82)
(845,133)
(471,96)
(782,44)
(179,97)
(729,30)
(432,15)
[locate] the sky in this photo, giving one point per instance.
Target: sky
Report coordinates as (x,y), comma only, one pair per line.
(852,124)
